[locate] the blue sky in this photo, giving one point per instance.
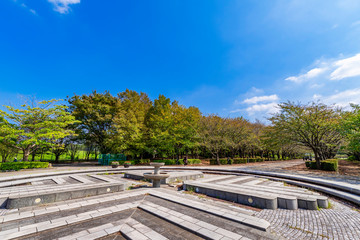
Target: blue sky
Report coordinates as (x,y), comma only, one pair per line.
(234,58)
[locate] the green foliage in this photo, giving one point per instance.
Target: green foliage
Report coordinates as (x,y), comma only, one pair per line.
(181,161)
(327,165)
(22,165)
(314,126)
(350,129)
(96,113)
(34,126)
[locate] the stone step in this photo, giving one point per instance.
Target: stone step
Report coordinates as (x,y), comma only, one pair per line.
(103,178)
(215,179)
(135,230)
(239,217)
(236,180)
(59,180)
(251,198)
(308,199)
(15,216)
(61,193)
(96,232)
(67,221)
(198,227)
(81,179)
(255,195)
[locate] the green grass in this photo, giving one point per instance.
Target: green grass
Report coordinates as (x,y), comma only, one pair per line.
(50,157)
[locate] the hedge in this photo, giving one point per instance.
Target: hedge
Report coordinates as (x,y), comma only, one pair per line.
(22,165)
(224,161)
(181,161)
(327,165)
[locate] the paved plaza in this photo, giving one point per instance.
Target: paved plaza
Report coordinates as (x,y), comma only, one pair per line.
(100,203)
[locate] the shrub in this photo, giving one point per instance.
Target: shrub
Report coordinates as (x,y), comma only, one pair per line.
(22,165)
(240,160)
(181,161)
(327,165)
(142,161)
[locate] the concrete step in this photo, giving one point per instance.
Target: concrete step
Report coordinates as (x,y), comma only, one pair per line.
(47,210)
(251,198)
(239,217)
(305,199)
(135,230)
(96,232)
(67,221)
(198,227)
(61,193)
(81,179)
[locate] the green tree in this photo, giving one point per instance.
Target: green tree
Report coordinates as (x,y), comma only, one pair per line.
(213,135)
(350,129)
(96,113)
(31,127)
(130,125)
(313,126)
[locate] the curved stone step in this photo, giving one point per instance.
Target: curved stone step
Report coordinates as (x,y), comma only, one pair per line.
(198,227)
(242,218)
(64,221)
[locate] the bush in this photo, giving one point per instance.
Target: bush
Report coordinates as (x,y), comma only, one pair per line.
(181,161)
(240,160)
(22,165)
(142,161)
(327,165)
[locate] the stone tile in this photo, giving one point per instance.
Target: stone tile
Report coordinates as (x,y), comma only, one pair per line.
(154,236)
(228,234)
(126,229)
(207,225)
(210,234)
(136,235)
(94,235)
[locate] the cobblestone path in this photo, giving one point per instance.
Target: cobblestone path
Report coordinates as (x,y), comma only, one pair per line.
(340,222)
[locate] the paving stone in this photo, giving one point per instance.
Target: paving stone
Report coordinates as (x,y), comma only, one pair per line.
(136,235)
(210,234)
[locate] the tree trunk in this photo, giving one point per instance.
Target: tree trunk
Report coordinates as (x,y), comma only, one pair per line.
(26,154)
(217,159)
(57,156)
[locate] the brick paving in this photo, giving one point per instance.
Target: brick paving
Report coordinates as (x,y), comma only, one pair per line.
(339,222)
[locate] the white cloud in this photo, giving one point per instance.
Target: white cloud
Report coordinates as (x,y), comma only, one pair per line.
(267,109)
(315,72)
(344,98)
(329,70)
(348,67)
(316,96)
(63,6)
(257,99)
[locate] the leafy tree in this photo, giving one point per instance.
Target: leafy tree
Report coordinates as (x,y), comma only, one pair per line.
(313,125)
(350,129)
(31,127)
(213,135)
(158,122)
(130,125)
(7,152)
(96,113)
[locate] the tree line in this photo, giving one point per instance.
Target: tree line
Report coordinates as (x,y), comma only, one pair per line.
(133,124)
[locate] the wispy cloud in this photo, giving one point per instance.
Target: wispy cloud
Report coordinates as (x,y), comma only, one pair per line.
(345,68)
(307,76)
(330,70)
(63,6)
(343,98)
(265,109)
(26,7)
(356,23)
(257,99)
